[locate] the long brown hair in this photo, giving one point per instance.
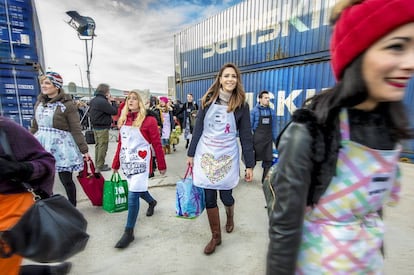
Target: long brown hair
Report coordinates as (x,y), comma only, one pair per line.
(238,96)
(142,112)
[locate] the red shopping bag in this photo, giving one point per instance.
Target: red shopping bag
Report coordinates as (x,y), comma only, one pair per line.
(92,183)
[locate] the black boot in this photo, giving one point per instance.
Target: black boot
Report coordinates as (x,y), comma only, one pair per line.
(61,269)
(186,145)
(126,238)
(151,207)
(154,164)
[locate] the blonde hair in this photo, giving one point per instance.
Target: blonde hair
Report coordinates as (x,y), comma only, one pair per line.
(42,78)
(238,96)
(41,96)
(142,112)
(340,7)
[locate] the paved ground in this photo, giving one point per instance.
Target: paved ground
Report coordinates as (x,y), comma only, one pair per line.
(165,244)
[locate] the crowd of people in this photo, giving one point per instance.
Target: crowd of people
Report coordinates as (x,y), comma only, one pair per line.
(340,149)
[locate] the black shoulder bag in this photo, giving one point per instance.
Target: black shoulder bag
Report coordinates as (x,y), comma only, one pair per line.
(52,230)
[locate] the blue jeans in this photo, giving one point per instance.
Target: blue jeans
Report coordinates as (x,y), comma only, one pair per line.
(225,196)
(133,206)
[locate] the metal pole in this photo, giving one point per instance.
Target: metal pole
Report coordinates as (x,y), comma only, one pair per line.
(80,73)
(88,75)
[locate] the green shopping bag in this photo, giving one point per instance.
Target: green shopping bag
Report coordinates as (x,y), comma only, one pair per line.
(115,195)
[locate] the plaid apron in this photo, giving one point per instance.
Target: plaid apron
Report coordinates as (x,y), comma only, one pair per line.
(343,233)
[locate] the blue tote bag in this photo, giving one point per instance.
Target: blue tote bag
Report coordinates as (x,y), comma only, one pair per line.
(189,202)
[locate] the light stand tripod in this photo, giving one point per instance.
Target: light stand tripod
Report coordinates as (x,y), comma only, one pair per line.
(85,115)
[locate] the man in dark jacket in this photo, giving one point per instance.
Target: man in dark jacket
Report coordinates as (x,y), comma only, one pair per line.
(189,110)
(102,108)
(263,120)
(179,112)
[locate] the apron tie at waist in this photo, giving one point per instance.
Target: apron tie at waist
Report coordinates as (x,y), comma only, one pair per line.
(369,220)
(51,130)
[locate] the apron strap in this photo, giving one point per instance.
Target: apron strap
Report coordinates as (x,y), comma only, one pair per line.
(344,124)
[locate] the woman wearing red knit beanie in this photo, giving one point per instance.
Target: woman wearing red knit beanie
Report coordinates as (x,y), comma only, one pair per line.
(338,158)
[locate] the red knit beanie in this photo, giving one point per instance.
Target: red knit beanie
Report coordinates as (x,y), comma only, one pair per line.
(361,25)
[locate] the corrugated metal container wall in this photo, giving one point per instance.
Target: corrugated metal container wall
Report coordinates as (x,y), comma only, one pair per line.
(279,45)
(19,87)
(38,37)
(252,32)
(289,86)
(17,33)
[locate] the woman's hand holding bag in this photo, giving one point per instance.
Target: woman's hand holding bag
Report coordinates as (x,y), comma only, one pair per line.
(92,182)
(190,201)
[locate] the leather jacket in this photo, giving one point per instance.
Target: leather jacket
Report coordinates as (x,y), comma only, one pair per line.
(293,180)
(299,146)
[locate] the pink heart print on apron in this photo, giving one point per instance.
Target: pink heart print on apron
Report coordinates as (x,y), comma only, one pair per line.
(215,169)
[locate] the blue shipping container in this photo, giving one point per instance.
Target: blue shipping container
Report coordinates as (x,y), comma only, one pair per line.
(301,67)
(254,32)
(19,32)
(19,88)
(289,87)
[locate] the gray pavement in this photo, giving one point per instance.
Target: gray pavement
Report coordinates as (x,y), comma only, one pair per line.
(165,244)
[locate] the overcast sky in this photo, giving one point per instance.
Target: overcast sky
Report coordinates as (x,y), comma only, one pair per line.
(133,48)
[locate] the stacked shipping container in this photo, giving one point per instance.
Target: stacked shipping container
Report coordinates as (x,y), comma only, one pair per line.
(281,46)
(21,55)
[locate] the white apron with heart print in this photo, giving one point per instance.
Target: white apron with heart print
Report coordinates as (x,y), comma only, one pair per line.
(135,155)
(216,161)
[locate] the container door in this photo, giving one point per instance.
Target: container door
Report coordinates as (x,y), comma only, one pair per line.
(19,88)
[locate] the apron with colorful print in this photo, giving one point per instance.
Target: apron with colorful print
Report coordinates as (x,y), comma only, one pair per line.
(343,233)
(135,156)
(216,161)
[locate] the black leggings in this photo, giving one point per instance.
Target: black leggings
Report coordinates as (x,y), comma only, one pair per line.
(70,187)
(211,197)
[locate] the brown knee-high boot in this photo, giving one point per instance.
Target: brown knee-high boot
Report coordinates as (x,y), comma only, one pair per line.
(214,220)
(230,222)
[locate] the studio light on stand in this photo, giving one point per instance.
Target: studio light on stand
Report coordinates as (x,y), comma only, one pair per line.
(85,28)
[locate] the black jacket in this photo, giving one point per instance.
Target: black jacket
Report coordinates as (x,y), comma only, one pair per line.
(101,112)
(192,106)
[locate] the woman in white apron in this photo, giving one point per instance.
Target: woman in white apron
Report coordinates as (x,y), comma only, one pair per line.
(338,159)
(138,132)
(214,151)
(56,125)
